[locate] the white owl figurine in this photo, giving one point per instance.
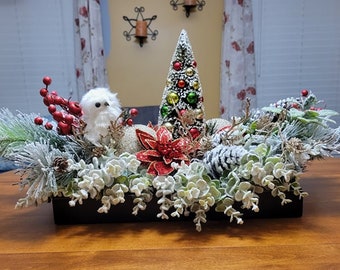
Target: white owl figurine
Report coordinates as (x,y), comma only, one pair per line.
(100,106)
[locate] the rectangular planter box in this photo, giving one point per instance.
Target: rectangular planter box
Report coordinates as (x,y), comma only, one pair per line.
(86,213)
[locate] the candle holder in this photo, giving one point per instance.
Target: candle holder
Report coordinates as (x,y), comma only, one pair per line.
(140,26)
(188,5)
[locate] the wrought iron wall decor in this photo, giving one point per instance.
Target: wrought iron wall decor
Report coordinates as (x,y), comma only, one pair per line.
(188,5)
(141,26)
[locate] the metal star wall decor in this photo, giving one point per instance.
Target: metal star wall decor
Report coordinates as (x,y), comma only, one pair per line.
(188,5)
(140,26)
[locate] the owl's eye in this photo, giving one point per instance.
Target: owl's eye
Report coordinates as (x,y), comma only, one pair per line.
(97,104)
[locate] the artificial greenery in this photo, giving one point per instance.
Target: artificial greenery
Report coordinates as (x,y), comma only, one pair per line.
(232,161)
(186,163)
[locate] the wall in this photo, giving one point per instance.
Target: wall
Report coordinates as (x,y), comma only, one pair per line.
(138,74)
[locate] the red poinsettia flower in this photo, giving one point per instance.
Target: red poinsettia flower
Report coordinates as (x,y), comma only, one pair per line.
(162,151)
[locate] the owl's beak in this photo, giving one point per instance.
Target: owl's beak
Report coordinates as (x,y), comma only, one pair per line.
(106,104)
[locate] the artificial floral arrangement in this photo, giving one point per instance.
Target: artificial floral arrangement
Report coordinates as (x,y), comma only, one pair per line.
(92,149)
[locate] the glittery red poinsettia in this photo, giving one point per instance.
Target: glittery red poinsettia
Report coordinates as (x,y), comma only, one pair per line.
(162,151)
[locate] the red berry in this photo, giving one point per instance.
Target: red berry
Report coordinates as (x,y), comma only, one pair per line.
(52,108)
(54,93)
(295,105)
(129,122)
(58,100)
(58,116)
(65,102)
(74,108)
(64,128)
(194,132)
(38,120)
(133,112)
(43,92)
(48,99)
(304,92)
(47,80)
(68,118)
(48,126)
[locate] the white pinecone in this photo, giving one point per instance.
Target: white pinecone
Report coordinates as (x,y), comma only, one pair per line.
(223,158)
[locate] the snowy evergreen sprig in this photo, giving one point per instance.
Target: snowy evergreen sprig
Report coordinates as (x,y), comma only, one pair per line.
(17,130)
(304,109)
(38,173)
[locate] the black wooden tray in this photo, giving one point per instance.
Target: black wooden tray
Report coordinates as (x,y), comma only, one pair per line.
(86,213)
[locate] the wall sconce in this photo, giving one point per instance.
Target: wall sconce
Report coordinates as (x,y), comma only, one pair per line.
(188,5)
(141,27)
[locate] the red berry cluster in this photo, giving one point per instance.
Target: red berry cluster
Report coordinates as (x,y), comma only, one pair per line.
(299,105)
(67,117)
(127,117)
(305,93)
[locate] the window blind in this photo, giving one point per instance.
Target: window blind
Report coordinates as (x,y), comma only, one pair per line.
(36,40)
(297,46)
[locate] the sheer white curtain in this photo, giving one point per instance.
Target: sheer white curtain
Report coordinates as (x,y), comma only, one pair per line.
(298,46)
(70,36)
(89,46)
(36,41)
(238,60)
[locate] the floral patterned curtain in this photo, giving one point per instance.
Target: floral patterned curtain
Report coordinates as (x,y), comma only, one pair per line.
(89,52)
(238,60)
